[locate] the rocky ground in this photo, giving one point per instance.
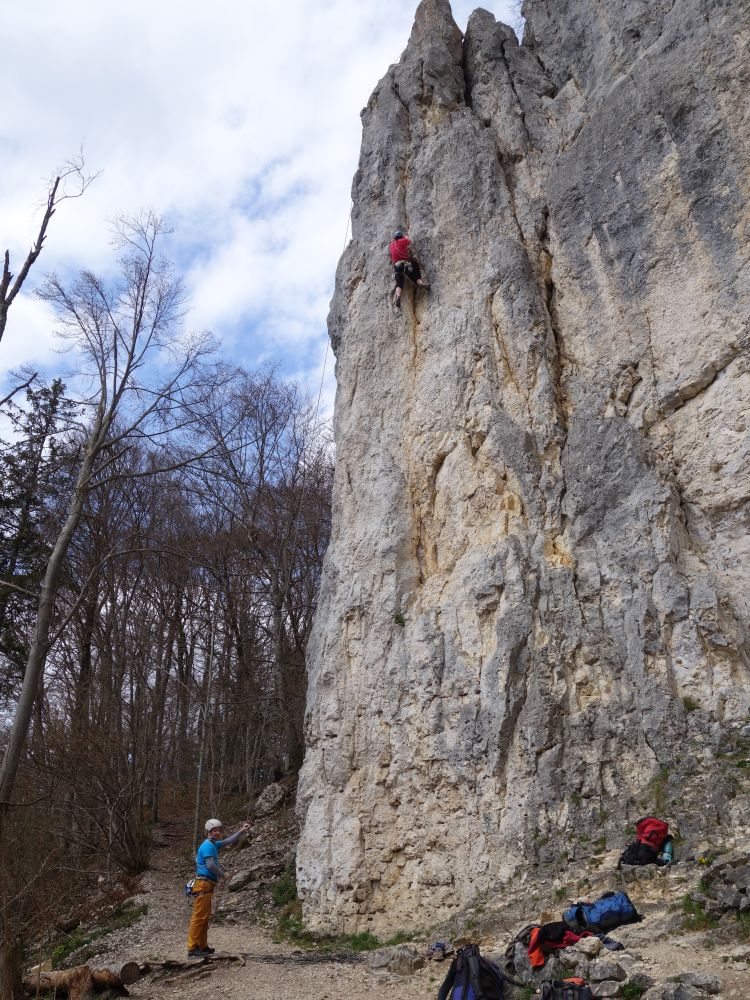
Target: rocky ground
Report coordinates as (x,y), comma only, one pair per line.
(253,961)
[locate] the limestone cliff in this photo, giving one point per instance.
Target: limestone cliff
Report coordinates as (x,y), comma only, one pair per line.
(534,616)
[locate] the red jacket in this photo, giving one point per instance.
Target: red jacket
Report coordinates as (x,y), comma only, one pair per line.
(400,249)
(538,948)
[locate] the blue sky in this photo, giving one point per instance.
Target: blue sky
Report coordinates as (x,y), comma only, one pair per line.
(239,122)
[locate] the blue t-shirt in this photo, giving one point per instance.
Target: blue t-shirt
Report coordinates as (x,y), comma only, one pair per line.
(206,851)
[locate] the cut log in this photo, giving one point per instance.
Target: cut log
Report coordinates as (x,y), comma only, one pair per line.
(129,973)
(82,981)
(124,975)
(73,983)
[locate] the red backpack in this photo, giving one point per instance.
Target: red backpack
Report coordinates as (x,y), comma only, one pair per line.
(652,831)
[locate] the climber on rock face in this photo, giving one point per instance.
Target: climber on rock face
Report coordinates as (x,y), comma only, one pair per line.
(404,265)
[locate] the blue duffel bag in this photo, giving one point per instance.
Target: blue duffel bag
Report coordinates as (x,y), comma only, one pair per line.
(609,911)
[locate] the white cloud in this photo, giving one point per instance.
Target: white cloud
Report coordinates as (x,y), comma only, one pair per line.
(33,340)
(240,122)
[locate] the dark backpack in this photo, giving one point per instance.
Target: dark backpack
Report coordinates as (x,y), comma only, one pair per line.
(560,990)
(609,911)
(472,977)
(638,854)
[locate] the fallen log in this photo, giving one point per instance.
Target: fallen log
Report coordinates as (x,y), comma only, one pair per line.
(82,981)
(125,975)
(73,983)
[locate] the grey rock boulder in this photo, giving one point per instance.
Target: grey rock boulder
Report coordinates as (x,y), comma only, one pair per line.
(399,960)
(740,877)
(674,991)
(261,871)
(589,946)
(607,988)
(701,981)
(605,969)
(269,799)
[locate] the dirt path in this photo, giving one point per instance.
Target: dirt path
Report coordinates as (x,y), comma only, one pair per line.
(266,970)
(271,970)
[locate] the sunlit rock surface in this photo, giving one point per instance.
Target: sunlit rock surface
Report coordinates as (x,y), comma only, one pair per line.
(535,608)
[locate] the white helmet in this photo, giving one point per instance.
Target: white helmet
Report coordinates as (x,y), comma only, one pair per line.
(212,824)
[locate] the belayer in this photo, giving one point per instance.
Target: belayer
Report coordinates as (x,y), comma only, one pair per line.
(404,265)
(208,872)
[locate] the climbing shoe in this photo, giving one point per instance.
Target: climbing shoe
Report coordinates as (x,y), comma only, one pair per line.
(199,953)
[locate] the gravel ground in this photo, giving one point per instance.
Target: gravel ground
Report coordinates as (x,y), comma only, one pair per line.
(270,970)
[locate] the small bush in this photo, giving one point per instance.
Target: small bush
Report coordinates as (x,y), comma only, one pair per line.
(290,927)
(690,704)
(658,789)
(66,947)
(361,942)
(695,917)
(561,892)
(284,889)
(290,922)
(400,937)
(399,619)
(632,991)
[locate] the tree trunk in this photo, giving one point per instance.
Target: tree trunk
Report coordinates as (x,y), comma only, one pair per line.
(40,645)
(74,983)
(11,964)
(82,978)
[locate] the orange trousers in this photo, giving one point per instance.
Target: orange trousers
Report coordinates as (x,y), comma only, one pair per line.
(198,932)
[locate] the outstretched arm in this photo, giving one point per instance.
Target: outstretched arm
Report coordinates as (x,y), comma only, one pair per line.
(228,841)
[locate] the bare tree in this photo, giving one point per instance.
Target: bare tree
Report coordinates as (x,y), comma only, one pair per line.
(148,386)
(70,182)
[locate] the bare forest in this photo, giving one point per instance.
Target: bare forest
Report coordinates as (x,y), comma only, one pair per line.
(163,519)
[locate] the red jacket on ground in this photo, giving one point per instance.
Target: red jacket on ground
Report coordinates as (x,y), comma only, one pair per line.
(538,949)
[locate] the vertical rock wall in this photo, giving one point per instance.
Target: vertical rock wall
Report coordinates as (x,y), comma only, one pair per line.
(534,612)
